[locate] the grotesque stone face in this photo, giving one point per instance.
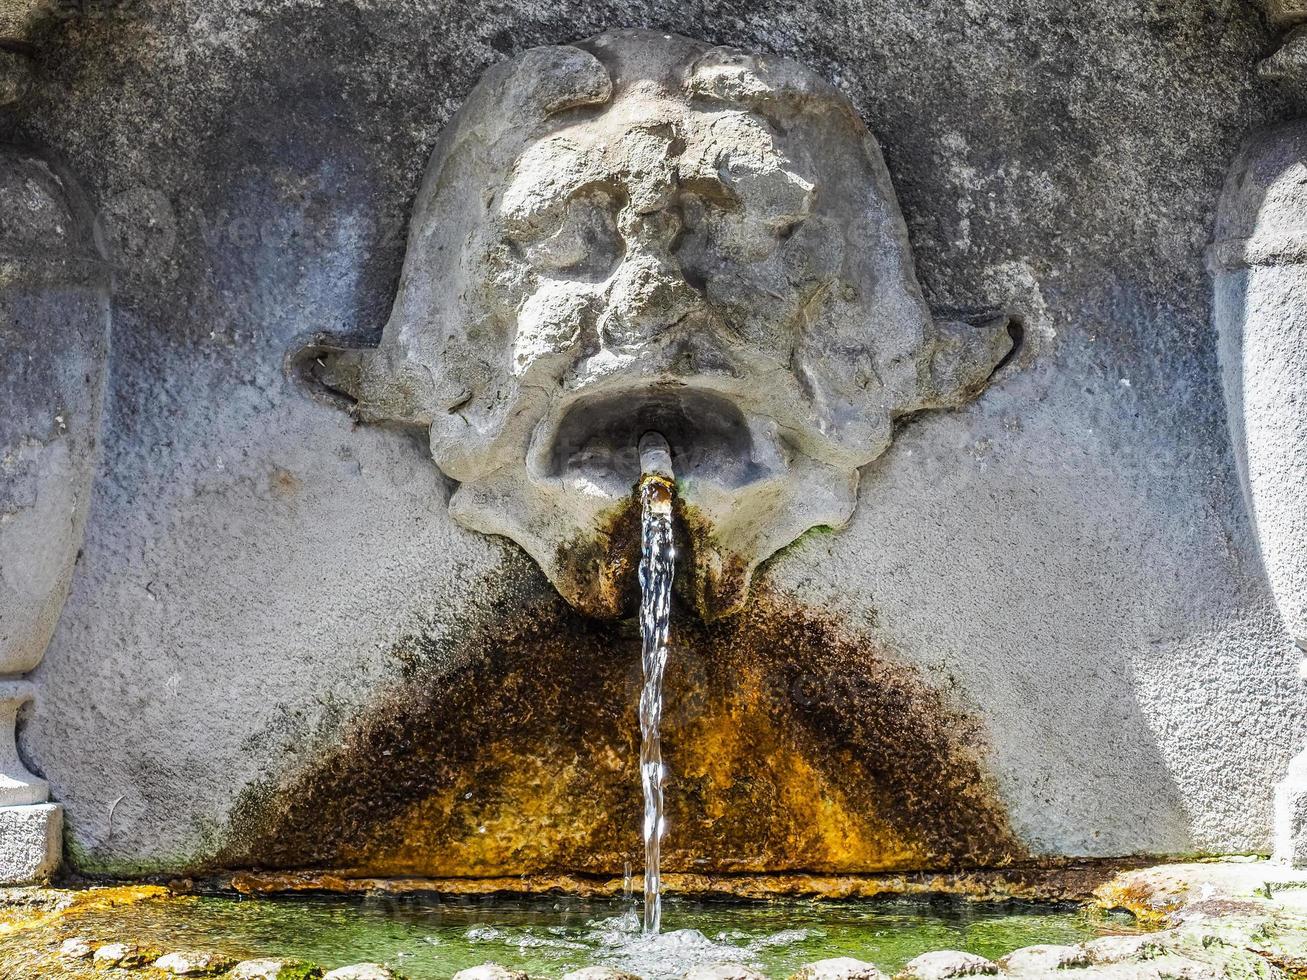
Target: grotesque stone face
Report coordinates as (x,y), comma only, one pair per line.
(641,232)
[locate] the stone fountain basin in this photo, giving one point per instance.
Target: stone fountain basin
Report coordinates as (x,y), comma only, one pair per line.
(1237,917)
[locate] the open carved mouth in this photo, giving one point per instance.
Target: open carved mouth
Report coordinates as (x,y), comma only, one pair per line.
(595,439)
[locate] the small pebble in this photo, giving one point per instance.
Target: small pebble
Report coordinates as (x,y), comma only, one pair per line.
(268,969)
(125,956)
(76,948)
(943,964)
(188,964)
(1122,949)
(362,971)
(725,971)
(489,971)
(838,968)
(1032,959)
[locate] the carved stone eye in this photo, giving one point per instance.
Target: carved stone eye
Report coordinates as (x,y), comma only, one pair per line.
(583,242)
(723,230)
(694,247)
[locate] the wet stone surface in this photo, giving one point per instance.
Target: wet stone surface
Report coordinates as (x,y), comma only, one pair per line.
(792,744)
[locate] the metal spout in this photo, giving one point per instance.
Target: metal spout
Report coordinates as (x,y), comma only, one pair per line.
(655,457)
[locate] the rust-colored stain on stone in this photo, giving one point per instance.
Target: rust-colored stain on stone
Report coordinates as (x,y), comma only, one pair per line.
(602,581)
(791,746)
(1043,880)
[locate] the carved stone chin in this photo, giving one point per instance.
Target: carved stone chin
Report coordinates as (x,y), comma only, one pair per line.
(642,232)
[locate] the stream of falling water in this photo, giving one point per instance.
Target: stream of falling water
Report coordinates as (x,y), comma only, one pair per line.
(657,565)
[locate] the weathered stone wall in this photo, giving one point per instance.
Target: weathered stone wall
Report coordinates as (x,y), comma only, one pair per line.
(1062,572)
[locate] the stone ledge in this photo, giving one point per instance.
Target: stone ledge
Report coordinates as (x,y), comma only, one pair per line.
(31,842)
(1066,880)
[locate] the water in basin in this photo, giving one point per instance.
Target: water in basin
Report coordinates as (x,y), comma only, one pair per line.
(427,938)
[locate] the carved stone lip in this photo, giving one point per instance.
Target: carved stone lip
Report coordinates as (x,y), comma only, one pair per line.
(599,432)
(721,430)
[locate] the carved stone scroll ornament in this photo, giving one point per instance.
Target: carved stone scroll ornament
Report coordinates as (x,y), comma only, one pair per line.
(1287,65)
(1259,261)
(22,24)
(641,232)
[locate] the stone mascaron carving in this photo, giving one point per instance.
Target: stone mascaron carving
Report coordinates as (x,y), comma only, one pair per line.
(641,232)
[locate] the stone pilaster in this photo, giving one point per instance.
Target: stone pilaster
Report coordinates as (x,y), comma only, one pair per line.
(54,318)
(1259,261)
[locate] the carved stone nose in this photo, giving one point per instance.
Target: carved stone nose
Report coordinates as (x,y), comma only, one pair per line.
(649,293)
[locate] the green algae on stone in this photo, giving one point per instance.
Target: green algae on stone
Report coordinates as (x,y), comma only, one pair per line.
(1235,932)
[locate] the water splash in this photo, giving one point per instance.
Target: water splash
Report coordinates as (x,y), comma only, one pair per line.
(657,566)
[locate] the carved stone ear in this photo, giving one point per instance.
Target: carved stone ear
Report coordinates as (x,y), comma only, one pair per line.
(373,384)
(965,357)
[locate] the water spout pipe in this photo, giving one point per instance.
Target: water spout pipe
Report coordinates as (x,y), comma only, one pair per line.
(655,457)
